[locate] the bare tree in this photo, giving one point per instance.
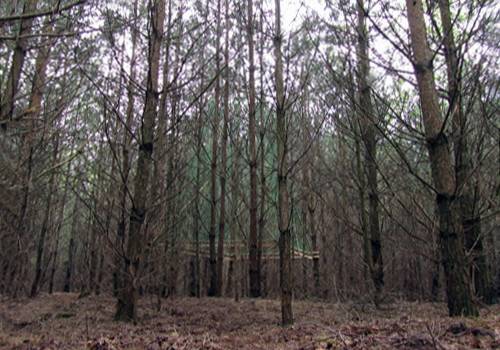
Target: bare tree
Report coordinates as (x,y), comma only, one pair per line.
(285,240)
(368,121)
(253,245)
(126,309)
(458,289)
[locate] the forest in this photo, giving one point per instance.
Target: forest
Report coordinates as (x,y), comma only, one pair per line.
(249,174)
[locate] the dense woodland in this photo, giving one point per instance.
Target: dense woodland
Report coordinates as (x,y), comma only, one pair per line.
(322,150)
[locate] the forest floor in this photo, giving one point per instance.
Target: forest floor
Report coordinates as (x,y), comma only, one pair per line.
(63,321)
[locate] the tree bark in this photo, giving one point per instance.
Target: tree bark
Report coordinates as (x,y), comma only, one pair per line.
(126,308)
(212,289)
(60,223)
(223,172)
(285,239)
(195,271)
(72,248)
(368,131)
(45,224)
(21,49)
(262,158)
(458,289)
(253,244)
(235,236)
(163,184)
(195,264)
(469,211)
(124,192)
(27,153)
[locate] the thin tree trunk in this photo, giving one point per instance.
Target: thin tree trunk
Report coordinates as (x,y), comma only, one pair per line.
(314,243)
(285,240)
(235,236)
(253,245)
(362,210)
(72,248)
(223,172)
(89,287)
(195,272)
(60,223)
(195,265)
(120,257)
(305,227)
(27,150)
(173,163)
(162,180)
(45,224)
(368,122)
(262,148)
(212,288)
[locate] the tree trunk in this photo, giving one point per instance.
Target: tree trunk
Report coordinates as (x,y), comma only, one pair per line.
(45,224)
(212,289)
(8,98)
(285,239)
(262,158)
(27,151)
(195,264)
(469,211)
(368,121)
(162,178)
(235,236)
(72,247)
(305,227)
(124,192)
(458,290)
(223,172)
(126,309)
(253,244)
(195,271)
(60,222)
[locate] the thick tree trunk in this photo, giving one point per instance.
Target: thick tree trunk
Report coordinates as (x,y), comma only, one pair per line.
(285,239)
(469,211)
(253,244)
(126,309)
(451,240)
